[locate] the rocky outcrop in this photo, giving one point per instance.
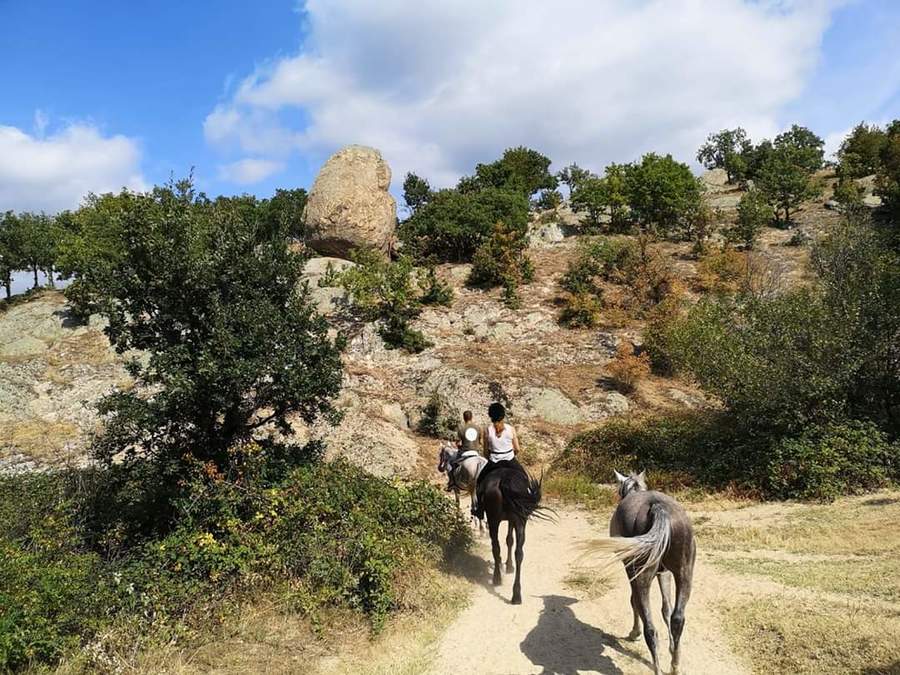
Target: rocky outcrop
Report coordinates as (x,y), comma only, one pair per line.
(349,205)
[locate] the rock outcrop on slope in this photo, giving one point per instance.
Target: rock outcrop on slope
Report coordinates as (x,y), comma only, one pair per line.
(349,205)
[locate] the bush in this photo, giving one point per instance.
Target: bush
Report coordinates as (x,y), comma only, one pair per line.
(453,224)
(502,260)
(581,310)
(826,462)
(607,258)
(438,419)
(520,170)
(722,271)
(435,291)
(322,535)
(628,368)
(860,152)
(384,291)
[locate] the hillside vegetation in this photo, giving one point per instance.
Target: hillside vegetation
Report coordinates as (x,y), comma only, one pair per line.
(737,333)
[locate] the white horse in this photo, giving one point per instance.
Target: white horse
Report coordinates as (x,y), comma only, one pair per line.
(462,471)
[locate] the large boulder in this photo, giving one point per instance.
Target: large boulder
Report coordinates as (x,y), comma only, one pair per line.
(349,205)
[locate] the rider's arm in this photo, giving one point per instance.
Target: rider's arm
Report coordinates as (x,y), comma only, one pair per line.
(485,444)
(515,440)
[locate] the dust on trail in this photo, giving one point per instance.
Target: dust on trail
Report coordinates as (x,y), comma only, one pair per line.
(557,630)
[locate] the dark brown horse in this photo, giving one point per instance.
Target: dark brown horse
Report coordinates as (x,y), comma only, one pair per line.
(652,535)
(508,493)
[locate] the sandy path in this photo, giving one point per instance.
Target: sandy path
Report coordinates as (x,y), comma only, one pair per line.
(555,630)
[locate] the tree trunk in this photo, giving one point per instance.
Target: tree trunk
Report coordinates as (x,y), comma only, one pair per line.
(7,282)
(50,281)
(35,270)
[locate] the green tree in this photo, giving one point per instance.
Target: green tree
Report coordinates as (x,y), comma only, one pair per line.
(604,196)
(284,212)
(806,149)
(786,181)
(453,224)
(520,169)
(573,176)
(416,192)
(215,300)
(663,194)
(754,213)
(727,150)
(38,239)
(860,152)
(11,259)
(887,180)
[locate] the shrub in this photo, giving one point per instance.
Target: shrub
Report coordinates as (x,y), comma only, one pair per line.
(502,260)
(581,310)
(549,200)
(628,368)
(608,258)
(321,535)
(435,291)
(722,271)
(386,292)
(754,213)
(438,418)
(826,462)
(887,178)
(453,224)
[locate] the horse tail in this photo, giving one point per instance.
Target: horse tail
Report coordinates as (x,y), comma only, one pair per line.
(522,492)
(644,551)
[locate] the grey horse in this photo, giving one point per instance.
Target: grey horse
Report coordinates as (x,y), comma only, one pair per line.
(652,535)
(463,474)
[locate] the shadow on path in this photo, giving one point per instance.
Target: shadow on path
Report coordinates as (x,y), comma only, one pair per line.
(475,569)
(563,645)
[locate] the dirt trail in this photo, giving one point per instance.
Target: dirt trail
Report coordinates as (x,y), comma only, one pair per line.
(557,629)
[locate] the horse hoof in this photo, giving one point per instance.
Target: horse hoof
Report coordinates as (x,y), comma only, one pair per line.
(497,581)
(633,635)
(509,569)
(517,600)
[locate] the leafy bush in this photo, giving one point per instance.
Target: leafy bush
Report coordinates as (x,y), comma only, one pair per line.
(581,310)
(722,271)
(384,291)
(502,260)
(453,224)
(438,418)
(321,535)
(607,258)
(435,291)
(826,462)
(887,179)
(628,368)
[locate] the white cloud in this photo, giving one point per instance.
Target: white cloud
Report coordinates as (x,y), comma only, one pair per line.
(249,170)
(54,172)
(439,86)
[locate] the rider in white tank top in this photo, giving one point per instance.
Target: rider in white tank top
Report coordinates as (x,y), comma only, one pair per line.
(501,446)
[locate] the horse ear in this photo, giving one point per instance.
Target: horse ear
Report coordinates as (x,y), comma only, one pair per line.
(641,477)
(619,477)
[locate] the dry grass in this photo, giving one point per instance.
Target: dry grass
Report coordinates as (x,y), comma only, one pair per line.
(591,583)
(858,576)
(90,348)
(853,525)
(577,489)
(37,438)
(787,635)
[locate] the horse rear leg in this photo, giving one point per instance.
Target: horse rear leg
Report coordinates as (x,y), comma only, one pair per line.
(640,588)
(682,595)
(636,611)
(665,590)
(494,527)
(520,556)
(509,547)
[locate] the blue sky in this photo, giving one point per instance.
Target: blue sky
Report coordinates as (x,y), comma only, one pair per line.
(100,94)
